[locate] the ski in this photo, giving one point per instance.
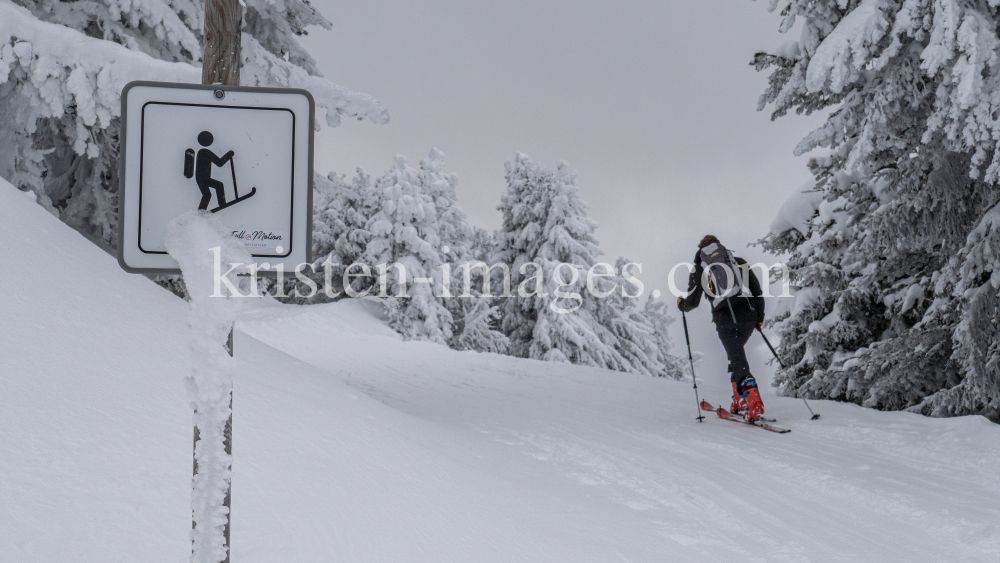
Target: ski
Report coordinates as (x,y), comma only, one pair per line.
(706,406)
(726,415)
(235,201)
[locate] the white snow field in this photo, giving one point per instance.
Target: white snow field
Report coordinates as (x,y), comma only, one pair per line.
(352,445)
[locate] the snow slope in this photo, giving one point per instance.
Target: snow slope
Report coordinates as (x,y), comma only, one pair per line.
(351,445)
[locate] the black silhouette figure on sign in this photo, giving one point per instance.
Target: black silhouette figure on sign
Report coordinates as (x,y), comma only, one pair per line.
(201,169)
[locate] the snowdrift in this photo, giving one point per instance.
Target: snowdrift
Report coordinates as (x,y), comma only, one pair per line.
(352,445)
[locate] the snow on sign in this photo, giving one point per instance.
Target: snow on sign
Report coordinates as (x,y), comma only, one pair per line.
(242,153)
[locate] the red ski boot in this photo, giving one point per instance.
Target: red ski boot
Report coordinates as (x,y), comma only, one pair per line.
(755,407)
(738,403)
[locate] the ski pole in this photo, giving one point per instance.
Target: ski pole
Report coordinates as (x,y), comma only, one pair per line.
(794,386)
(697,401)
(236,190)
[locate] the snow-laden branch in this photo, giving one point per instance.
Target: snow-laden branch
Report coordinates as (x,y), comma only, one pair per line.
(63,67)
(262,68)
(849,47)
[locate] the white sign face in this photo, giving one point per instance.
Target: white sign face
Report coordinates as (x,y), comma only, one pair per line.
(242,153)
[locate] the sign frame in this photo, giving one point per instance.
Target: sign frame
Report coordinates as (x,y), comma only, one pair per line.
(125,221)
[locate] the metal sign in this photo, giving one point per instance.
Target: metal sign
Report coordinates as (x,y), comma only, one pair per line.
(243,153)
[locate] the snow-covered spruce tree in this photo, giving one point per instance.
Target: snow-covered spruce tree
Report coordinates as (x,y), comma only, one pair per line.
(341,211)
(453,227)
(65,64)
(411,216)
(892,263)
(525,208)
(405,232)
(474,316)
(567,326)
(547,241)
(641,336)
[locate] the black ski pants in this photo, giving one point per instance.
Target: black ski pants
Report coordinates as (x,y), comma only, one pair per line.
(734,336)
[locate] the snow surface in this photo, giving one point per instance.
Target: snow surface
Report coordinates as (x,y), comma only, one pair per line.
(352,445)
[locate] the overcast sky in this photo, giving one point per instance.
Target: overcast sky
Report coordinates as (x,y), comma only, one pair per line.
(653,103)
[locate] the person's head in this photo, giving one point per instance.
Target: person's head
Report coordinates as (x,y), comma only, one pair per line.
(709,239)
(205,138)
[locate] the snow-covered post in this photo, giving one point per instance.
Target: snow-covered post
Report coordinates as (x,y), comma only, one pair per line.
(220,65)
(204,249)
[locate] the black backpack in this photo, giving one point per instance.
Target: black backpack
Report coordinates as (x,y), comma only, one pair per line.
(722,273)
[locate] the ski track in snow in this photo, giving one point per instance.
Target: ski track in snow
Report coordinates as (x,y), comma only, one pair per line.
(352,445)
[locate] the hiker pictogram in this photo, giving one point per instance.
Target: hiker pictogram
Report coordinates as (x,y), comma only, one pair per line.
(200,168)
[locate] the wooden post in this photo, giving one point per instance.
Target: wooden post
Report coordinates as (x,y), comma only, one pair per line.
(221,65)
(221,48)
(228,441)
